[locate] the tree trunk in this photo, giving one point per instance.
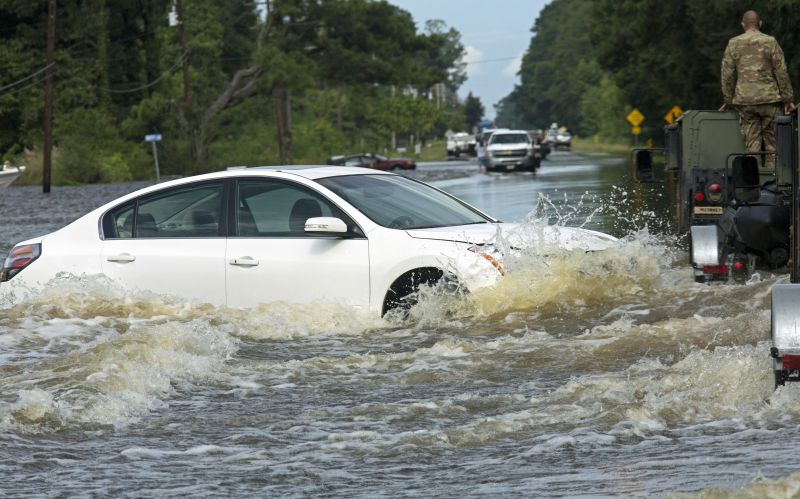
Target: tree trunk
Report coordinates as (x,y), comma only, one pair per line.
(200,152)
(102,59)
(287,128)
(282,102)
(279,122)
(339,108)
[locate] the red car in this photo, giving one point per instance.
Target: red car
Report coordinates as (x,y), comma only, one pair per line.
(371,160)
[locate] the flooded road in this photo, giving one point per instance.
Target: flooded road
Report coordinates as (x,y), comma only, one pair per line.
(597,374)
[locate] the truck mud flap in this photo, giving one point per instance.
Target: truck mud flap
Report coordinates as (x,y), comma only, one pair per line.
(705,245)
(785,332)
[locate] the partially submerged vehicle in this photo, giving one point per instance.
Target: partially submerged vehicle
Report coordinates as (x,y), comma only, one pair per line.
(294,234)
(736,214)
(785,316)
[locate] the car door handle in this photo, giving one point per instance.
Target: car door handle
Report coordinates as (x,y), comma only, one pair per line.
(244,261)
(121,258)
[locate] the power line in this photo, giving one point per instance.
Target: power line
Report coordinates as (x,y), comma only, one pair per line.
(491,60)
(102,89)
(29,85)
(146,85)
(27,77)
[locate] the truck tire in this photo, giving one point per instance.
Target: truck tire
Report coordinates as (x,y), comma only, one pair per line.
(780,377)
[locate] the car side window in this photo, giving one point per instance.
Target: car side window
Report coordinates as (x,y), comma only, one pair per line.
(189,211)
(119,223)
(269,208)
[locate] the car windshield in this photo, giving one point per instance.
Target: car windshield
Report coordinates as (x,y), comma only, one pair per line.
(508,138)
(401,203)
(379,157)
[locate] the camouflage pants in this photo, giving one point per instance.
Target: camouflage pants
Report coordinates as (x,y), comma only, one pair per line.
(755,123)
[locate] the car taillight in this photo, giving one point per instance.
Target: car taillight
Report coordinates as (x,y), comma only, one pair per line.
(19,258)
(699,197)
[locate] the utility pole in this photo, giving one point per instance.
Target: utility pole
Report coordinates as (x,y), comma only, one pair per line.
(48,97)
(187,87)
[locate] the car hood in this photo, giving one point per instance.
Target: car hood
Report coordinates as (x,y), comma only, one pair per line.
(512,235)
(516,145)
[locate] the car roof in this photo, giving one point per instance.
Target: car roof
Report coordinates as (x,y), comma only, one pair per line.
(310,172)
(313,172)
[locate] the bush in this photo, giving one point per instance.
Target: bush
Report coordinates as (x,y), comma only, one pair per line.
(90,150)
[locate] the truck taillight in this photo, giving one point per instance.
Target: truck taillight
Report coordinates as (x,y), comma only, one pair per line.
(714,192)
(19,258)
(791,362)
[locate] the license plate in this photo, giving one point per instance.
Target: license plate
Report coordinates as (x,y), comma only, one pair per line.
(708,210)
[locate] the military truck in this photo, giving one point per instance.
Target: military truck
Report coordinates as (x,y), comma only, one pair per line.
(736,215)
(785,314)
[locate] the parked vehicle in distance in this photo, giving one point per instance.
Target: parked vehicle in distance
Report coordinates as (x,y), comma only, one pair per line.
(249,236)
(8,174)
(508,150)
(558,137)
(372,160)
(539,144)
(563,140)
(460,143)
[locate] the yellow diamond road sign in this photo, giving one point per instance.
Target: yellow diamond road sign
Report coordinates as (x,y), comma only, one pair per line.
(635,117)
(673,114)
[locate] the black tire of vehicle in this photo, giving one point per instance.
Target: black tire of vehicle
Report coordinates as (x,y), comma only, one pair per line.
(780,377)
(402,293)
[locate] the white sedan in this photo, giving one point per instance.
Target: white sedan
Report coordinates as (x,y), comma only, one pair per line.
(247,236)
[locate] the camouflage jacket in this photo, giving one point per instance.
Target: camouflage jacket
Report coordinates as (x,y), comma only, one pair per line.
(754,71)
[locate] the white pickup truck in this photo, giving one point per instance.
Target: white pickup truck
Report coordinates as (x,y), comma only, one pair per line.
(508,150)
(460,143)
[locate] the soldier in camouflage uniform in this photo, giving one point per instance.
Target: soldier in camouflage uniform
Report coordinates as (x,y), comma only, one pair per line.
(755,82)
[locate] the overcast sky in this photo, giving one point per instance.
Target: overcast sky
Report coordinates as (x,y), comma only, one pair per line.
(495,34)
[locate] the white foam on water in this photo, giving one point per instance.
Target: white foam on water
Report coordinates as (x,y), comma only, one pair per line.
(759,488)
(118,378)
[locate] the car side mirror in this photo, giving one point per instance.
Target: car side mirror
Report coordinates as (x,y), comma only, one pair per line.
(746,184)
(326,225)
(643,166)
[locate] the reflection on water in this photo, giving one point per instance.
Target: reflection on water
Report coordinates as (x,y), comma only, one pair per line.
(607,373)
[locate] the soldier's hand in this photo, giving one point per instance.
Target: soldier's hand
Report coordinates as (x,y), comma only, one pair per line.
(789,107)
(723,107)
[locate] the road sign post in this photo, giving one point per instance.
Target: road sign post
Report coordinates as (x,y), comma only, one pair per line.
(673,114)
(635,118)
(153,138)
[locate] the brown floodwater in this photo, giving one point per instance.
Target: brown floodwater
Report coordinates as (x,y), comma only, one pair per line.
(603,374)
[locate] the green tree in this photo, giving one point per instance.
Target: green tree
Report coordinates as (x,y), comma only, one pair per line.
(308,67)
(473,110)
